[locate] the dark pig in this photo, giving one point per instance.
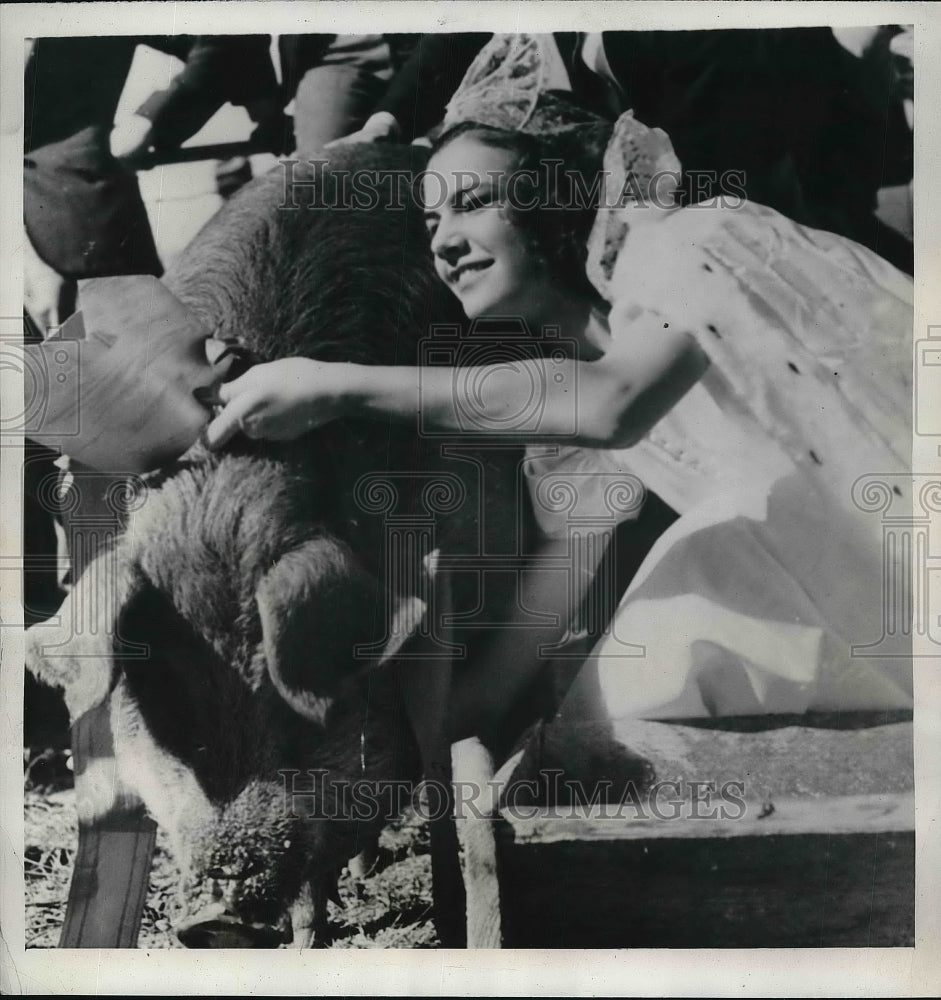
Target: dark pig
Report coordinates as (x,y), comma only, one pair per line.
(228,623)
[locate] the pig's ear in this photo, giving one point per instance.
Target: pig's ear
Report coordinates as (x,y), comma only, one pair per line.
(76,652)
(317,605)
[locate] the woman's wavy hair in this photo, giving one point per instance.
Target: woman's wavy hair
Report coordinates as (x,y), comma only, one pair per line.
(566,197)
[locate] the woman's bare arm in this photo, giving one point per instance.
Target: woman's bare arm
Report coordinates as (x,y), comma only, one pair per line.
(612,402)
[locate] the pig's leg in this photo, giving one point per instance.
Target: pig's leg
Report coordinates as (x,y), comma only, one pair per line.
(310,915)
(365,861)
(426,691)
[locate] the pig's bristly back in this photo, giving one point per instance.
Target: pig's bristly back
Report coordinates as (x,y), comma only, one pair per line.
(326,279)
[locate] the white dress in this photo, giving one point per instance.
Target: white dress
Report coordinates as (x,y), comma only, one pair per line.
(765,594)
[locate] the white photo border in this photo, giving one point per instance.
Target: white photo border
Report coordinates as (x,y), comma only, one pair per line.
(807,972)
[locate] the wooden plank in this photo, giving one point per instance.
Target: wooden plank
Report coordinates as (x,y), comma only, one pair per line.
(473,770)
(682,818)
(109,886)
(115,836)
(803,890)
(115,847)
(818,851)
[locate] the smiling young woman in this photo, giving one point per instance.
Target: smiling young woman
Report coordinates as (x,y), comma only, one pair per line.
(504,257)
(535,242)
(746,369)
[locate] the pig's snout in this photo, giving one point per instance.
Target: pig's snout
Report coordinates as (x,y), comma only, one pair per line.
(218,926)
(230,915)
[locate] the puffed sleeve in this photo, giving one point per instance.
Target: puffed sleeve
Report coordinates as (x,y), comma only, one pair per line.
(808,333)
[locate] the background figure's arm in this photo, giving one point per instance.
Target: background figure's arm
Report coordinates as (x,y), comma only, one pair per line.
(218,68)
(378,127)
(418,93)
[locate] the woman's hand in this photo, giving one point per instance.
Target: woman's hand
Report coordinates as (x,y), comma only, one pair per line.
(279,401)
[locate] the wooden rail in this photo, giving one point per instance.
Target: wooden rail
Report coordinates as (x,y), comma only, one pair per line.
(814,847)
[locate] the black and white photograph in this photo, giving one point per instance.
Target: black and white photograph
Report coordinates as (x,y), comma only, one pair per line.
(467,490)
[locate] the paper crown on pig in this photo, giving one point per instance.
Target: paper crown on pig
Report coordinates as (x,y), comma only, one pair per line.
(508,87)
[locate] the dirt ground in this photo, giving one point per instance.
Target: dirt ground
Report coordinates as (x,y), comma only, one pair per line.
(390,908)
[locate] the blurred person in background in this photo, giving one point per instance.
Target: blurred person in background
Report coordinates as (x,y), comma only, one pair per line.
(85,218)
(794,118)
(82,206)
(334,81)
